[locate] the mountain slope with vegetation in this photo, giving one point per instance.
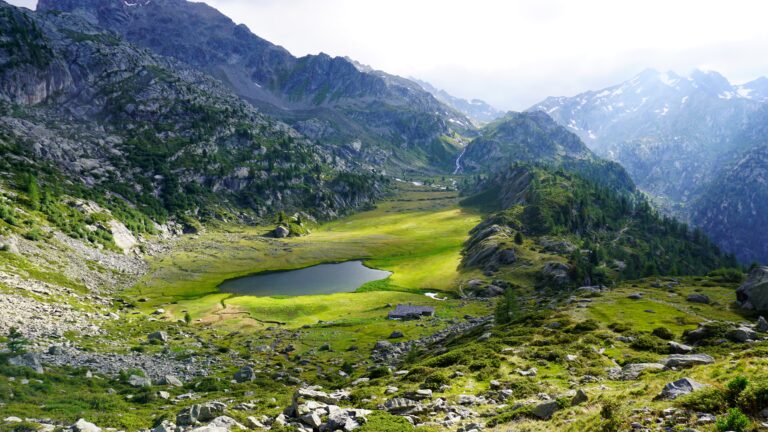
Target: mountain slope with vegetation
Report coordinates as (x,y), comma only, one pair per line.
(387,121)
(90,115)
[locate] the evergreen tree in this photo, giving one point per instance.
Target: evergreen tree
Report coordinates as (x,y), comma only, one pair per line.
(518,238)
(507,307)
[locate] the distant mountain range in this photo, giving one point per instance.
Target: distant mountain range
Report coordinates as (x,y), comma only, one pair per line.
(678,136)
(479,111)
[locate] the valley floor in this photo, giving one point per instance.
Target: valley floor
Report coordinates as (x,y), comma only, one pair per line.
(170,340)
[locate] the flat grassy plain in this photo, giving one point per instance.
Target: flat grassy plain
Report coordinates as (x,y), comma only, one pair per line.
(417,234)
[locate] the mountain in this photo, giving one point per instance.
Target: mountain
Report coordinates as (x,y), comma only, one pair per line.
(605,234)
(385,120)
(477,110)
(86,114)
(671,132)
(735,202)
(534,137)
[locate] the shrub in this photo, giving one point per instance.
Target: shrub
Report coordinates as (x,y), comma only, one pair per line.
(380,372)
(379,421)
(735,387)
(435,380)
(754,397)
(734,421)
(663,333)
(709,400)
(610,413)
(645,342)
(585,326)
(620,327)
(726,275)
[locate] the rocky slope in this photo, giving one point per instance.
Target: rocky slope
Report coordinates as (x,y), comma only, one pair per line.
(735,204)
(386,120)
(81,104)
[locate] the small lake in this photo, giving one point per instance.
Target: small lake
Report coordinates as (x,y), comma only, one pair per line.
(320,279)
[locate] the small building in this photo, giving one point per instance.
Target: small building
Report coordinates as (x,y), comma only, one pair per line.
(406,312)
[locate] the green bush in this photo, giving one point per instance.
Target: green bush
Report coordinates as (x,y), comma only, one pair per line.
(379,421)
(435,380)
(620,327)
(734,421)
(610,414)
(646,342)
(709,400)
(754,397)
(380,372)
(585,326)
(663,333)
(726,275)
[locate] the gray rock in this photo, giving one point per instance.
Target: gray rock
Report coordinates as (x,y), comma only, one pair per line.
(697,298)
(160,336)
(761,325)
(580,397)
(633,370)
(281,232)
(200,413)
(139,381)
(30,360)
(753,293)
(170,380)
(245,374)
(635,296)
(403,406)
(678,348)
(742,334)
(555,273)
(396,334)
(679,388)
(84,426)
(687,360)
(545,410)
(165,426)
(55,350)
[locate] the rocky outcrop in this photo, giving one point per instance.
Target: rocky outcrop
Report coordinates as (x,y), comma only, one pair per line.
(679,388)
(753,293)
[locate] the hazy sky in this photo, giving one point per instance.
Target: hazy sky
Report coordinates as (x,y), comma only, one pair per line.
(514,53)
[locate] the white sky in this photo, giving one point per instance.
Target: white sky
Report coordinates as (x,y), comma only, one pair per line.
(513,53)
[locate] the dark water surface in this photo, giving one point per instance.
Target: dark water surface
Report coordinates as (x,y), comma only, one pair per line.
(319,279)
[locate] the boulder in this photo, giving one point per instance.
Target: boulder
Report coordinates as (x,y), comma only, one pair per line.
(555,274)
(170,380)
(687,360)
(245,374)
(30,360)
(678,348)
(679,388)
(545,410)
(139,381)
(635,296)
(403,406)
(580,397)
(761,325)
(741,334)
(633,370)
(281,232)
(396,334)
(200,413)
(84,426)
(159,336)
(55,350)
(697,298)
(226,423)
(165,426)
(753,293)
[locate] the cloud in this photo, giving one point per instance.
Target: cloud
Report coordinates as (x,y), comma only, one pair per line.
(515,53)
